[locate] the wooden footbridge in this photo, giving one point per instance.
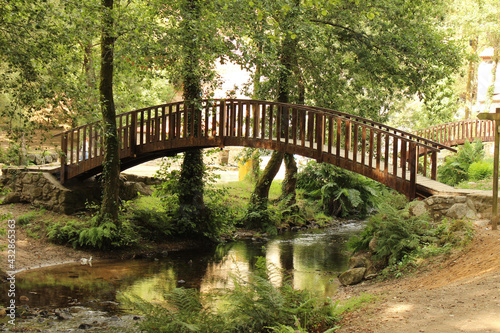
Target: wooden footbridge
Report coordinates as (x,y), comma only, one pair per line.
(458,132)
(385,154)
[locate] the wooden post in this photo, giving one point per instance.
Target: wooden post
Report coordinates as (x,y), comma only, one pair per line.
(496,118)
(133,134)
(64,152)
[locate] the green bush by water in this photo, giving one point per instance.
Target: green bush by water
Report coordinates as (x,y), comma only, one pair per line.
(340,192)
(402,238)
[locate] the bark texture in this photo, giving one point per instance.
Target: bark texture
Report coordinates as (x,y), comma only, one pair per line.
(111,165)
(191,202)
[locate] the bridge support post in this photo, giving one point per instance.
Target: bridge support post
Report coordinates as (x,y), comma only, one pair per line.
(494,219)
(64,153)
(133,133)
(496,118)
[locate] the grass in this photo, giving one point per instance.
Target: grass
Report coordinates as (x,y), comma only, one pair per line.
(239,192)
(485,184)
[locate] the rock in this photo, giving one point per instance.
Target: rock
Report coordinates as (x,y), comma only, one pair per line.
(84,326)
(373,244)
(63,314)
(458,211)
(352,276)
(419,209)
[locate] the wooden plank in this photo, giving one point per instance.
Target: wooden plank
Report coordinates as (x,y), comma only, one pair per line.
(371,149)
(330,134)
(294,126)
(339,138)
(286,123)
(347,138)
(379,150)
(355,144)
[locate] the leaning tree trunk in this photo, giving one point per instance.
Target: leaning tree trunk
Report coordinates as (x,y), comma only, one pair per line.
(111,165)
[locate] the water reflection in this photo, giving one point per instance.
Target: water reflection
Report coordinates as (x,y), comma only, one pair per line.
(311,260)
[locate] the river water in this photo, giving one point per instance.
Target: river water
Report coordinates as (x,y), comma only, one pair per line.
(311,259)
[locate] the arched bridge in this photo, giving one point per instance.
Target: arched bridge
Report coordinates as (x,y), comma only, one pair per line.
(380,152)
(457,132)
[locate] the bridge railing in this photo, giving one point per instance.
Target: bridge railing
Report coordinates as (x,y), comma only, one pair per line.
(456,133)
(375,150)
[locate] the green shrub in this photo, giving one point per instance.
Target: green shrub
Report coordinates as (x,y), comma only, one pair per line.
(341,192)
(456,167)
(217,218)
(401,237)
(103,236)
(480,170)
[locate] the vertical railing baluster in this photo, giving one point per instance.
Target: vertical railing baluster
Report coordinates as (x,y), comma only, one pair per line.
(379,150)
(412,165)
(371,149)
(64,154)
(339,138)
(347,139)
(355,147)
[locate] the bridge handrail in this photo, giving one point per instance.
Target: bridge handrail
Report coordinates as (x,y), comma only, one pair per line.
(457,132)
(388,128)
(406,136)
(361,145)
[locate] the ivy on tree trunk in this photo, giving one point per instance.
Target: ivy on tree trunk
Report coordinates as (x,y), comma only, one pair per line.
(191,202)
(111,165)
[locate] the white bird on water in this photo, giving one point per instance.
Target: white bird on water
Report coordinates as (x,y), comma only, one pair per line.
(85,261)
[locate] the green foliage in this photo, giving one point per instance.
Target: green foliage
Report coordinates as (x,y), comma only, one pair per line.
(456,167)
(253,305)
(218,217)
(480,170)
(11,155)
(25,219)
(401,238)
(91,234)
(341,193)
(150,219)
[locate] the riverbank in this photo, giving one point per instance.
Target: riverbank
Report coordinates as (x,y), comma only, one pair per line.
(33,249)
(457,293)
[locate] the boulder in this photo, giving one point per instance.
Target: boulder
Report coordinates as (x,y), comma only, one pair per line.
(460,211)
(419,209)
(352,276)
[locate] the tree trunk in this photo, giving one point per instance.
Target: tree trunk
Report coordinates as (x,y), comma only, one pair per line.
(111,165)
(191,202)
(491,88)
(260,195)
(471,74)
(290,182)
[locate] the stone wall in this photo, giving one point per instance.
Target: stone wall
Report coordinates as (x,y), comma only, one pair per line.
(475,206)
(43,189)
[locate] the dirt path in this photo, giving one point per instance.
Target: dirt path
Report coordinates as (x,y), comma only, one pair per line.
(460,294)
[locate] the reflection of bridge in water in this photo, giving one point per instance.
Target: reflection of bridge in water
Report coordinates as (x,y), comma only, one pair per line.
(372,149)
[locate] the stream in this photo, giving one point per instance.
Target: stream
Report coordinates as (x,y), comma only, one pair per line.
(65,297)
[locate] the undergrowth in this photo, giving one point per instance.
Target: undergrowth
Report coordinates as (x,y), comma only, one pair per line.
(403,240)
